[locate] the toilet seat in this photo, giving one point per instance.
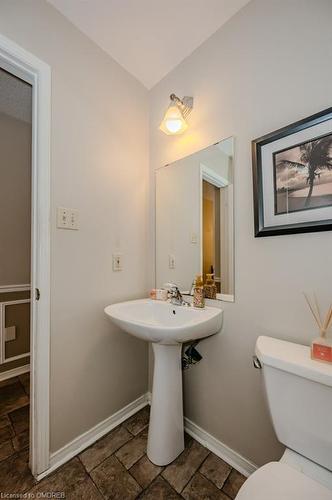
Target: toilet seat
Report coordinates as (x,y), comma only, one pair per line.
(279,481)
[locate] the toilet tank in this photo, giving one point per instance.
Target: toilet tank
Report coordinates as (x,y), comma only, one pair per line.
(299,395)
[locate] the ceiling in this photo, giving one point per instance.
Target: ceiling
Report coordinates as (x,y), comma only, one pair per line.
(148,37)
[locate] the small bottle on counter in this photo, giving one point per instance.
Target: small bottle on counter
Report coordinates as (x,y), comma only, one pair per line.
(199,300)
(158,294)
(210,289)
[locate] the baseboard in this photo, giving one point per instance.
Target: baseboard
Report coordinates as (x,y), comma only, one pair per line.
(14,372)
(230,456)
(89,437)
(86,439)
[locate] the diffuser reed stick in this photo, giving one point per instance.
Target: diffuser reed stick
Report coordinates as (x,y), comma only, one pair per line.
(328,320)
(323,324)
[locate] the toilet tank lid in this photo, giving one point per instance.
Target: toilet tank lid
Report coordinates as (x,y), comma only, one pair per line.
(292,358)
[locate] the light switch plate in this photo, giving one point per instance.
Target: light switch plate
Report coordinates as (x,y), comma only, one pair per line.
(67,218)
(117,262)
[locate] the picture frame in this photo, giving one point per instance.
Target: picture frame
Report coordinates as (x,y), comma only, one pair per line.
(292,177)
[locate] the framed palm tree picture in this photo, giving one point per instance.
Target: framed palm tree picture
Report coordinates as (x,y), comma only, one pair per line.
(292,177)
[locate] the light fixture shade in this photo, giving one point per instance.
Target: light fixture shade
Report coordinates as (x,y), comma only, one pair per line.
(173,122)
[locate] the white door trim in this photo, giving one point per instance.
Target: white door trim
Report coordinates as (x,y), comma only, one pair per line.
(14,288)
(209,175)
(28,67)
(14,372)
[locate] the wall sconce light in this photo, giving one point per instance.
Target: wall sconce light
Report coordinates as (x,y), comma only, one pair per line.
(174,121)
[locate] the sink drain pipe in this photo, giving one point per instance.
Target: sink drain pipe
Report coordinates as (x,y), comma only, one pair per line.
(190,356)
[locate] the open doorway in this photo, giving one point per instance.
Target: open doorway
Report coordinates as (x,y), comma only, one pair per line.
(15,261)
(211,232)
(25,105)
(217,225)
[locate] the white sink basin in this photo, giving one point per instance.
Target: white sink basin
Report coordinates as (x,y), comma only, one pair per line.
(167,326)
(163,323)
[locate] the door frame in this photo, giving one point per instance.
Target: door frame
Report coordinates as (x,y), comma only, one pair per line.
(26,66)
(209,175)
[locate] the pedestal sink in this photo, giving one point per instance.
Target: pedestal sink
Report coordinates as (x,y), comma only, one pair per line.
(167,326)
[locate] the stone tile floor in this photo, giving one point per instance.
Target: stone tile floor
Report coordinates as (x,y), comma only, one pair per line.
(115,467)
(14,416)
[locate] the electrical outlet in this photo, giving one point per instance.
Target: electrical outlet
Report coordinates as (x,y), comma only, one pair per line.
(117,262)
(67,218)
(171,262)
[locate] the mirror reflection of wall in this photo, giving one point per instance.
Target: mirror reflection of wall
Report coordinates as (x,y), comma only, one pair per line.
(194,219)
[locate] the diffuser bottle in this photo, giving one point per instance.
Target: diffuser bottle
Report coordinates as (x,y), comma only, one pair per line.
(321,347)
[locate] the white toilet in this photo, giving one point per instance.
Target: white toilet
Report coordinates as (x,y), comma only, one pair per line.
(299,395)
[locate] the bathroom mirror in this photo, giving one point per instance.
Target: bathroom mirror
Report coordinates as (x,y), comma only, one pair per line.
(194,220)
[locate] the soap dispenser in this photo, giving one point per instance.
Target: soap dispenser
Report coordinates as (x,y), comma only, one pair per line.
(199,300)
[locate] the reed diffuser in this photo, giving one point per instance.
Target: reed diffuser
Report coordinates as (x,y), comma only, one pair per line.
(321,347)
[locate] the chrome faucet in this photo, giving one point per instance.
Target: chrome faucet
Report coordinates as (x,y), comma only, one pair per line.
(175,295)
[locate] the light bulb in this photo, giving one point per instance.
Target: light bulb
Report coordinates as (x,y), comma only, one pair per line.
(173,126)
(173,121)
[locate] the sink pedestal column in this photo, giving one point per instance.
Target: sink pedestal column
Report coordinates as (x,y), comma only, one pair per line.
(166,438)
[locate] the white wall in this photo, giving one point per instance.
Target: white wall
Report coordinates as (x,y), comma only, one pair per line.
(268,66)
(15,196)
(100,166)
